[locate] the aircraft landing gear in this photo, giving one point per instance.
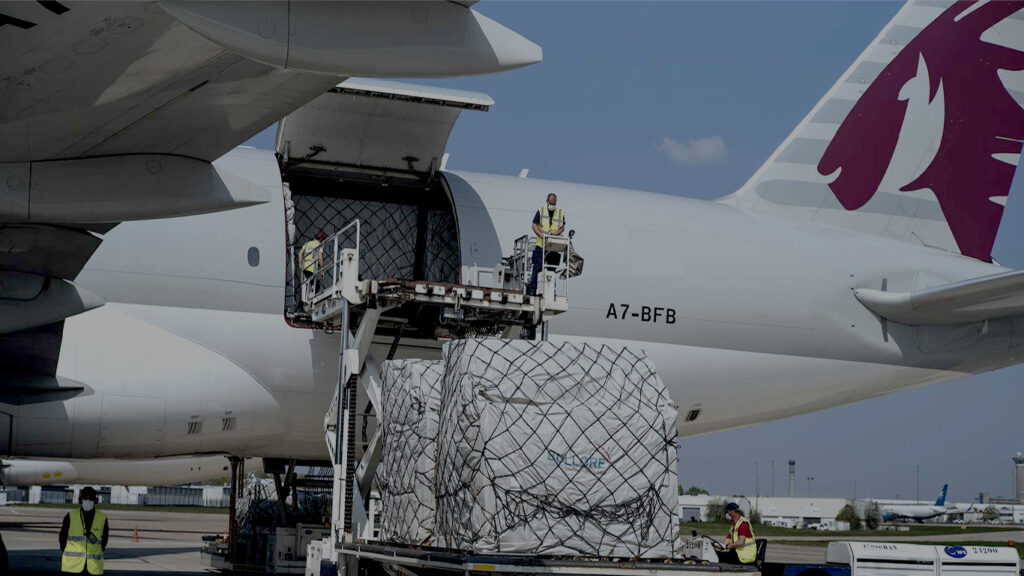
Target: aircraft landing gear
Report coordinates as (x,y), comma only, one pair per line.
(237,475)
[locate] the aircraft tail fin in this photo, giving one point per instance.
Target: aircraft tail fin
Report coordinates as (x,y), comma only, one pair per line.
(918,140)
(942,497)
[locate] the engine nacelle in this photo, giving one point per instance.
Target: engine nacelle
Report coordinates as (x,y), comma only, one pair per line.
(120,188)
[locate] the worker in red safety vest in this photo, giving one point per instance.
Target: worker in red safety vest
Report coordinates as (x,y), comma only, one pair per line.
(740,547)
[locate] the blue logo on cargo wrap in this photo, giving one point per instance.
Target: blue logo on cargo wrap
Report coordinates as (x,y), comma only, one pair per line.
(955,551)
(574,461)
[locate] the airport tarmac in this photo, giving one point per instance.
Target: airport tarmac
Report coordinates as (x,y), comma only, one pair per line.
(168,543)
(795,554)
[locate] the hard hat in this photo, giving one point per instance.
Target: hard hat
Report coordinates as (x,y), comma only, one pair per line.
(732,507)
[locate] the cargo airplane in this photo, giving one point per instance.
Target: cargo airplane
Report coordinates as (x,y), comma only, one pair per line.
(147,278)
(919,512)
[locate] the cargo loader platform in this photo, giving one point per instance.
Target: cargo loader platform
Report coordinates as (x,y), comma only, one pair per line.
(337,281)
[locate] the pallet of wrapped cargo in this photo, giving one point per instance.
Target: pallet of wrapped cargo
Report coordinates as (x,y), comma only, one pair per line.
(410,406)
(554,449)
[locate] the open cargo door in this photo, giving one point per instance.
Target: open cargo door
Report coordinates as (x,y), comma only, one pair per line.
(370,150)
(377,129)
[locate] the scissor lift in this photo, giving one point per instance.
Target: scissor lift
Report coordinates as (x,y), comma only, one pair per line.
(494,301)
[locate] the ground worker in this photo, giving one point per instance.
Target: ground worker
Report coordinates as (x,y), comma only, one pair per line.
(549,220)
(740,547)
(83,536)
(311,257)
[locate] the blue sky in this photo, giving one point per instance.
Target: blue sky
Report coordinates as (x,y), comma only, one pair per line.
(689,98)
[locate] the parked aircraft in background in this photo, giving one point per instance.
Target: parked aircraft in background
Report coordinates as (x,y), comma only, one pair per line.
(855,263)
(918,513)
(158,472)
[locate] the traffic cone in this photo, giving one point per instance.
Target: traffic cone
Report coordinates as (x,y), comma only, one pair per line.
(135,534)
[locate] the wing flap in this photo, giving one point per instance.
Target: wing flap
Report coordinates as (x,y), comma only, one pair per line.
(985,298)
(33,351)
(45,250)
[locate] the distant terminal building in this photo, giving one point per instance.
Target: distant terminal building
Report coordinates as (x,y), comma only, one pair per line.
(779,511)
(808,512)
(800,512)
(204,496)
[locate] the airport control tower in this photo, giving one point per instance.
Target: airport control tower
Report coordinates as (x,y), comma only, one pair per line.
(1018,465)
(792,477)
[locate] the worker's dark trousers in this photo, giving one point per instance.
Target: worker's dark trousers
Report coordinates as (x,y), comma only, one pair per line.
(538,261)
(728,557)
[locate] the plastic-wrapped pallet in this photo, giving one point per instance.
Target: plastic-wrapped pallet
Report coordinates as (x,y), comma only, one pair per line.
(410,406)
(555,449)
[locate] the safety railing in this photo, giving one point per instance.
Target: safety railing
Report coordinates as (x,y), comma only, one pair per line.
(325,281)
(562,246)
(520,263)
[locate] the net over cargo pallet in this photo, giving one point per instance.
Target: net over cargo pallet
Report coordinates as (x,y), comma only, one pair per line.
(529,448)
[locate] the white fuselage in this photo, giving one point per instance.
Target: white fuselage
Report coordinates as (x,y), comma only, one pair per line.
(192,352)
(153,472)
(912,512)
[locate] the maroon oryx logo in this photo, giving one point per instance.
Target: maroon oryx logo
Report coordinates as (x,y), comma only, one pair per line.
(947,72)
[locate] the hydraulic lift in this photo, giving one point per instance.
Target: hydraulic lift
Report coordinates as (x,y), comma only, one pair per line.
(495,303)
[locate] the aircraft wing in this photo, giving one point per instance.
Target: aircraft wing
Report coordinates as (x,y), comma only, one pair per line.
(986,298)
(108,78)
(114,111)
(195,79)
(98,88)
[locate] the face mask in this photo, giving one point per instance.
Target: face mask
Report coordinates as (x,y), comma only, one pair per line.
(551,206)
(88,505)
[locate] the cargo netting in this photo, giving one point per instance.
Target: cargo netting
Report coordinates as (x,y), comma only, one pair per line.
(411,402)
(390,237)
(442,260)
(554,449)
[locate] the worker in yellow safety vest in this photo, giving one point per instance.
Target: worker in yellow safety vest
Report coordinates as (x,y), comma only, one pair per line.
(740,547)
(83,536)
(550,221)
(310,257)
